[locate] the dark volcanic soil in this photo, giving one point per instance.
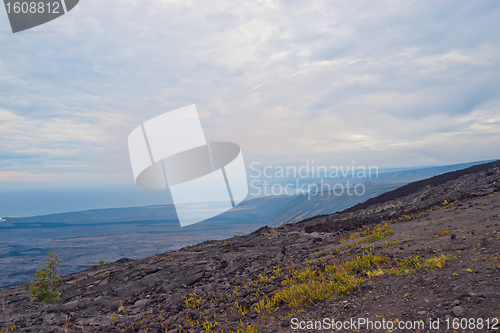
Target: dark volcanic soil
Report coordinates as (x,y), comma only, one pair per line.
(456,215)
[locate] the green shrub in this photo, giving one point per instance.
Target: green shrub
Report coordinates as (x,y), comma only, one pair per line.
(44,290)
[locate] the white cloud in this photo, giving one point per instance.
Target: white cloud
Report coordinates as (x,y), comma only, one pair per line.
(390,84)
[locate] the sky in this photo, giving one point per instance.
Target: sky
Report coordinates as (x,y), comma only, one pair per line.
(386,83)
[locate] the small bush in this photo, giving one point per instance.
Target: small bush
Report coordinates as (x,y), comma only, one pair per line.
(351,236)
(443,233)
(378,232)
(44,290)
(193,301)
(438,262)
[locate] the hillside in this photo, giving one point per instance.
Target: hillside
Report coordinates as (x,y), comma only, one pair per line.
(427,250)
(83,238)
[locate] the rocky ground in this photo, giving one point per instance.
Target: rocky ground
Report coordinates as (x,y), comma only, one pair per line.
(435,255)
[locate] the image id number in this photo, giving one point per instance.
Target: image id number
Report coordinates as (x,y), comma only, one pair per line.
(32,7)
(471,323)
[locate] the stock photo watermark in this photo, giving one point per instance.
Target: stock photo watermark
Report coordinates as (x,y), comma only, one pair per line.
(310,179)
(24,15)
(170,152)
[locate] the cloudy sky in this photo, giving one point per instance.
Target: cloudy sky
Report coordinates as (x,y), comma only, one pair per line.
(386,83)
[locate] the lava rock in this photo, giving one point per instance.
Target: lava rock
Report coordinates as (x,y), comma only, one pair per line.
(142,303)
(458,311)
(367,285)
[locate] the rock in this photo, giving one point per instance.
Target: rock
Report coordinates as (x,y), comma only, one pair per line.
(367,285)
(179,307)
(189,280)
(104,282)
(194,314)
(141,303)
(170,287)
(155,329)
(245,303)
(165,307)
(233,318)
(317,240)
(110,330)
(129,330)
(317,228)
(458,311)
(234,267)
(453,236)
(268,289)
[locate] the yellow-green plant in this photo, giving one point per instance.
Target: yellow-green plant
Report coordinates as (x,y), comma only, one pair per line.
(271,234)
(266,304)
(264,279)
(208,326)
(114,318)
(44,290)
(247,328)
(351,236)
(241,309)
(10,329)
(302,287)
(444,232)
(193,301)
(391,243)
(378,232)
(437,262)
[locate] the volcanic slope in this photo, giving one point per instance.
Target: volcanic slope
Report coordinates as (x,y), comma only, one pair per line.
(428,250)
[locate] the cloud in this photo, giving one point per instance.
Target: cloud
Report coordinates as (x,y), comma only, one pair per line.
(59,144)
(392,83)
